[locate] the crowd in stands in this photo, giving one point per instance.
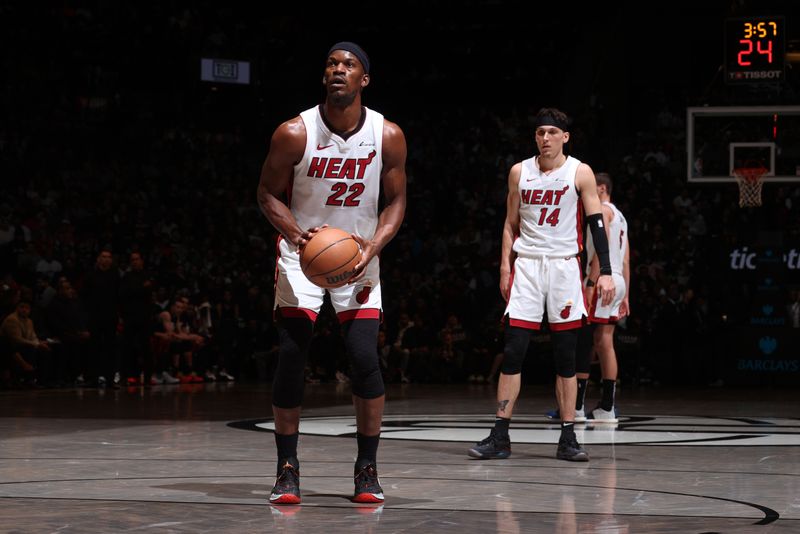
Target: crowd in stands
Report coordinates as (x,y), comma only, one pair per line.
(132,250)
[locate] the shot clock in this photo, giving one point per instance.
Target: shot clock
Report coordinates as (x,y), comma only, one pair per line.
(755,50)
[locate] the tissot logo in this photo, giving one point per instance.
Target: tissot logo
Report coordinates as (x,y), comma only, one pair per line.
(634,430)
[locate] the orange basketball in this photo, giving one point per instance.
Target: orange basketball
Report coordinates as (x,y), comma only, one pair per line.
(330,257)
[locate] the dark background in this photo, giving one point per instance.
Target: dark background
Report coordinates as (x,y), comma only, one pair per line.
(106,125)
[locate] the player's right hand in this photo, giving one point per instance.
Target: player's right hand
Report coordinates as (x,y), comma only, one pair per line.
(306,236)
(606,289)
(505,284)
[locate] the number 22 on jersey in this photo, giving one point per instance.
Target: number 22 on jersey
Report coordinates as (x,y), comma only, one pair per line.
(338,189)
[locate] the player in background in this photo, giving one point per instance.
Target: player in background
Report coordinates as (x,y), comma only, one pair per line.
(604,318)
(598,335)
(542,240)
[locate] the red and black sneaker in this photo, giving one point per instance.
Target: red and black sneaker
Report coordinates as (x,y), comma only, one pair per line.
(287,483)
(368,487)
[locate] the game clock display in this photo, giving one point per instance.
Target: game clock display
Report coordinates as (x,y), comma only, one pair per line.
(755,49)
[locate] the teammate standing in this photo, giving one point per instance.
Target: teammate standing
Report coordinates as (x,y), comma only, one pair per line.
(541,240)
(331,162)
(606,317)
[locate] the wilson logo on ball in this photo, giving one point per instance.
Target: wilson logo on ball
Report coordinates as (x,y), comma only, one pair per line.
(329,258)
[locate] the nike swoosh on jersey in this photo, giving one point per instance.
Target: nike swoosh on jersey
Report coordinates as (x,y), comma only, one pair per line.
(323,147)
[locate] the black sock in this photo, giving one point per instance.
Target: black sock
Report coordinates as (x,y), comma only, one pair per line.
(582,383)
(368,447)
(567,430)
(609,387)
(287,445)
(501,426)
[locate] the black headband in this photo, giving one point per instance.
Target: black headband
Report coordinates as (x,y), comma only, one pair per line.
(355,50)
(549,120)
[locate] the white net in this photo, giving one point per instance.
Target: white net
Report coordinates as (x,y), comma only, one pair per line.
(750,181)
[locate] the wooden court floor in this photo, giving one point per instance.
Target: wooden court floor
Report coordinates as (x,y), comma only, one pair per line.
(200,458)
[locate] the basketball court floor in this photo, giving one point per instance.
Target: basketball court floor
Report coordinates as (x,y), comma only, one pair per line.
(200,458)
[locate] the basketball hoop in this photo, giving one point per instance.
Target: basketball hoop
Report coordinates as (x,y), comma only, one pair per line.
(750,180)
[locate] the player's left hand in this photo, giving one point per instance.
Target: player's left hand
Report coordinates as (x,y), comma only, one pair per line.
(368,251)
(606,289)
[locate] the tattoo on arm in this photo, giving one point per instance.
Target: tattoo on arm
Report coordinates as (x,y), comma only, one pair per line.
(501,406)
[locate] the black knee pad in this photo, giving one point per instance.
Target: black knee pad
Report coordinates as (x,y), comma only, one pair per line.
(564,345)
(583,352)
(361,340)
(289,382)
(516,347)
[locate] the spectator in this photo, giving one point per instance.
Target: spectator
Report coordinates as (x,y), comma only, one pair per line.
(101,295)
(19,344)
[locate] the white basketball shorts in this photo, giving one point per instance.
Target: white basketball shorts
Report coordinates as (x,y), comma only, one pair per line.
(296,296)
(551,283)
(608,314)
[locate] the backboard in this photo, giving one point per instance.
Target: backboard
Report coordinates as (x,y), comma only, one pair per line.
(721,139)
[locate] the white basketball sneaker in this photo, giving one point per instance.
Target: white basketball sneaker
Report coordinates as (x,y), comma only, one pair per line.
(600,415)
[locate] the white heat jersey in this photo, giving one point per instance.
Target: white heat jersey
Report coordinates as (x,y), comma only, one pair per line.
(551,221)
(337,182)
(617,241)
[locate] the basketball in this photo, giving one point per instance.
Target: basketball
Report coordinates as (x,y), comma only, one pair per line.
(330,257)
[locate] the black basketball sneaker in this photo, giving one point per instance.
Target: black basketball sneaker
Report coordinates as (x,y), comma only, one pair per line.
(493,447)
(287,483)
(368,487)
(569,449)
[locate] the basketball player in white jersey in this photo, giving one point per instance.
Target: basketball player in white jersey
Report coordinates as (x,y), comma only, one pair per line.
(330,162)
(598,335)
(541,240)
(605,318)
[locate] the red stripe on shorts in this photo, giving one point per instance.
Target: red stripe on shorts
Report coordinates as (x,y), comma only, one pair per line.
(361,313)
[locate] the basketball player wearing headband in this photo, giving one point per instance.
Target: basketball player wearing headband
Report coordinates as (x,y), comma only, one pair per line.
(326,167)
(540,270)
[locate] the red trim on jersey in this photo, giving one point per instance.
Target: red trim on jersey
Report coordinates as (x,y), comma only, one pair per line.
(579,218)
(557,327)
(530,325)
(361,313)
(583,293)
(298,313)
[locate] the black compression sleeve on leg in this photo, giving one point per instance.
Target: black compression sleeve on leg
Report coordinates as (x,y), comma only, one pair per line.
(600,241)
(361,340)
(564,343)
(583,352)
(516,347)
(287,387)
